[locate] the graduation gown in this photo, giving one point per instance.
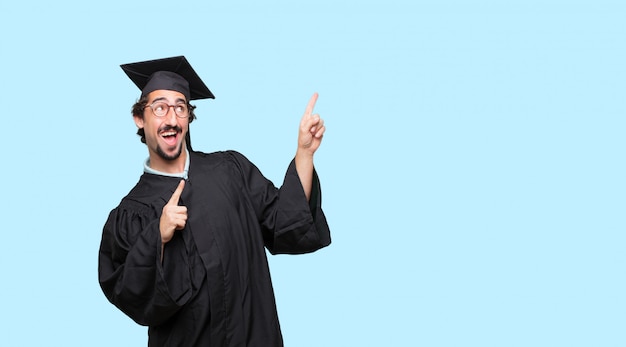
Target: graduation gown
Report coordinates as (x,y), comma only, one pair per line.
(213,286)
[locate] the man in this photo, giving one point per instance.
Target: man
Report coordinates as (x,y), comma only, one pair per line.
(184,252)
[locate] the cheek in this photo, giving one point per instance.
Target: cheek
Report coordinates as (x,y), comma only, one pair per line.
(184,124)
(152,124)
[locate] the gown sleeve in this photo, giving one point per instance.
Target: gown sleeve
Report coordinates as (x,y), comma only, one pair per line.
(130,271)
(290,224)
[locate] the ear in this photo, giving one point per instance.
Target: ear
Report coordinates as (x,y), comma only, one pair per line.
(138,121)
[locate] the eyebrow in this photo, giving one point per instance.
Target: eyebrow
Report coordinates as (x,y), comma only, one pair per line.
(162,98)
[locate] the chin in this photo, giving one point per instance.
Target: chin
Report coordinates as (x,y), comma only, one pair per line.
(170,155)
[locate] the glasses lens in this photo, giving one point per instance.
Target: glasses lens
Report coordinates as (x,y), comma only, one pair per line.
(181,110)
(160,109)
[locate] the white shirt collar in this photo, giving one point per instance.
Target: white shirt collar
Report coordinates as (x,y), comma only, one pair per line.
(184,174)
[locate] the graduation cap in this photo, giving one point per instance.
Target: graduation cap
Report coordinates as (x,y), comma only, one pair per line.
(173,73)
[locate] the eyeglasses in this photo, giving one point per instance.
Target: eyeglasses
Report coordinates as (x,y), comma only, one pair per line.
(160,109)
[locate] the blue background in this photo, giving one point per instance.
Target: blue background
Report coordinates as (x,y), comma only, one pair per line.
(472,169)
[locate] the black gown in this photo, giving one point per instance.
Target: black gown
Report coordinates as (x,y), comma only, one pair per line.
(213,287)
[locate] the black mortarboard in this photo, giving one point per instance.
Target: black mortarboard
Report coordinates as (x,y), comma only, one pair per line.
(170,74)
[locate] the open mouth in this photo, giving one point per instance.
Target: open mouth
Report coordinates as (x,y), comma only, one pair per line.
(170,136)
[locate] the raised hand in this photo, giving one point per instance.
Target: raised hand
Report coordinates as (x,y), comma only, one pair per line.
(174,217)
(309,139)
(311,129)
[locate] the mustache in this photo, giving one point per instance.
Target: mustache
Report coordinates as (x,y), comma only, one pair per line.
(170,127)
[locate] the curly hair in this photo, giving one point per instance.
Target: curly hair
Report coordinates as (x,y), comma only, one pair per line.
(140,105)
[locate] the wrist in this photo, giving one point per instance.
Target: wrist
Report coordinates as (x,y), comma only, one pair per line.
(304,154)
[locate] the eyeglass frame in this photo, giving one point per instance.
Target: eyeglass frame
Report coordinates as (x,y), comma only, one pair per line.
(187,115)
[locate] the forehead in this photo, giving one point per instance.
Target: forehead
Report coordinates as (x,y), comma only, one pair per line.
(166,95)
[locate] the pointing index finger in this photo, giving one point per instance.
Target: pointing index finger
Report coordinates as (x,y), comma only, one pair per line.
(176,195)
(311,105)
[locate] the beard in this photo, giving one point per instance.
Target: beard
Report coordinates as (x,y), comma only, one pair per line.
(160,150)
(165,156)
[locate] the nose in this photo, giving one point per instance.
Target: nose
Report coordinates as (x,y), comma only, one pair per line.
(170,116)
